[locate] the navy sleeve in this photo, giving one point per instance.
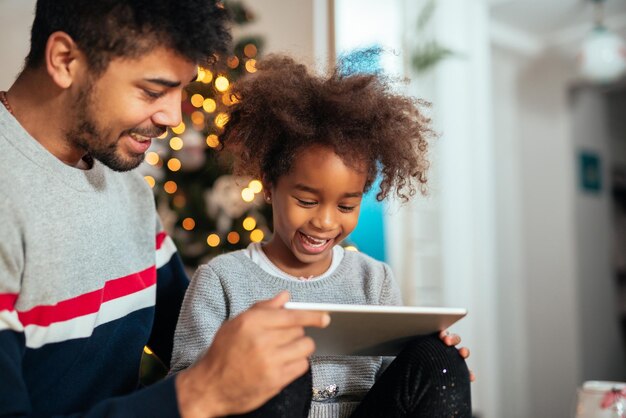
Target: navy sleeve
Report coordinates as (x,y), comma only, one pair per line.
(157,400)
(14,399)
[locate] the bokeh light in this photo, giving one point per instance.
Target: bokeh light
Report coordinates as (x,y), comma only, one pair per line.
(209,105)
(249,223)
(150,180)
(250,50)
(174,164)
(189,224)
(197,100)
(247,195)
(197,118)
(179,129)
(251,66)
(221,83)
(176,143)
(233,237)
(213,240)
(170,187)
(257,235)
(212,140)
(152,158)
(221,119)
(256,186)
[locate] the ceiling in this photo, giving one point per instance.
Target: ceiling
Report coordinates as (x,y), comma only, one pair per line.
(544,18)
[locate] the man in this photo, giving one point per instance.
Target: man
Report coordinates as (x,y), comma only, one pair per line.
(80,290)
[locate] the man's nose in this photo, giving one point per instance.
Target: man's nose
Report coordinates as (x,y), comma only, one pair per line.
(169,113)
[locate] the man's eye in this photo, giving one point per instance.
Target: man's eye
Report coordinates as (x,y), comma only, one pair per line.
(152,94)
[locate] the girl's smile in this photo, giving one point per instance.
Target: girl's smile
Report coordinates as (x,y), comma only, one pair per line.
(315,207)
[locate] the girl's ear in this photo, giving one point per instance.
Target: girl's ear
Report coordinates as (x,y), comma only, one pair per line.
(267,191)
(268,195)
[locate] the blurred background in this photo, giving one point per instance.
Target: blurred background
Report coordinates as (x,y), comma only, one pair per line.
(525,222)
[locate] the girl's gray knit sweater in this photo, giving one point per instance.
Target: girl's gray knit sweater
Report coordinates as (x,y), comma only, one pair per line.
(231,283)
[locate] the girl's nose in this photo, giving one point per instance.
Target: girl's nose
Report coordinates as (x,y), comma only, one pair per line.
(324,218)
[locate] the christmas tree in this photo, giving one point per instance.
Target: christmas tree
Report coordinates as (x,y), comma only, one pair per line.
(205,209)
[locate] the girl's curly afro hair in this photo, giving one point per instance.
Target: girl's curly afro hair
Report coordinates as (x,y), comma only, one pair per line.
(282,110)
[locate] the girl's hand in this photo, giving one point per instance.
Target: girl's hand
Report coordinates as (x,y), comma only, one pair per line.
(454,340)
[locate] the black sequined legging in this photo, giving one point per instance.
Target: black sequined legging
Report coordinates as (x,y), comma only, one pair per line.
(427,379)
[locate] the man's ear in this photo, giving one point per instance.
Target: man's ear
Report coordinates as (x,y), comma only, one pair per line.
(63,59)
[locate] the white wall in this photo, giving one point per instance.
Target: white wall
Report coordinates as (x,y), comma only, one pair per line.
(601,346)
(16,17)
(285,26)
(550,287)
(463,114)
(511,269)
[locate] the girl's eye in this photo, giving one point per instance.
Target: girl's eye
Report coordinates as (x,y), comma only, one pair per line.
(346,208)
(306,203)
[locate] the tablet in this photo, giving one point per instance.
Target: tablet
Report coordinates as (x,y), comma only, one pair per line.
(373,330)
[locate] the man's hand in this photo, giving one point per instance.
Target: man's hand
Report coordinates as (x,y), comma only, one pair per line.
(453,340)
(252,358)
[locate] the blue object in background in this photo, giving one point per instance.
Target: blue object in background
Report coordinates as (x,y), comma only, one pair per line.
(590,172)
(369,235)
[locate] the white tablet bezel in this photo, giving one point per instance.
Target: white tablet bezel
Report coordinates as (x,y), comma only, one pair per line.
(374,329)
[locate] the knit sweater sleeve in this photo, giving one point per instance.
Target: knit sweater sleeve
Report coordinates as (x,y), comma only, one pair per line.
(203,312)
(390,291)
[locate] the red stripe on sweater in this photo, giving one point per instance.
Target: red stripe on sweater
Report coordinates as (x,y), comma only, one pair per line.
(7,301)
(89,303)
(159,239)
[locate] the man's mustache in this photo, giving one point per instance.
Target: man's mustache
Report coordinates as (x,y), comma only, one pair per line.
(149,132)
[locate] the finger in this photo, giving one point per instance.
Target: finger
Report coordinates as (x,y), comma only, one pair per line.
(464,352)
(280,337)
(472,376)
(283,318)
(449,339)
(294,370)
(300,349)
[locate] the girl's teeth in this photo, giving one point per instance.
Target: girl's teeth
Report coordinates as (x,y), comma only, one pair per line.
(314,241)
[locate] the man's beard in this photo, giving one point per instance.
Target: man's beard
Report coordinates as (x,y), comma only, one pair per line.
(88,136)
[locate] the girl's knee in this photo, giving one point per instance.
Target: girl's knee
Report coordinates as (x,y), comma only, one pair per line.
(431,350)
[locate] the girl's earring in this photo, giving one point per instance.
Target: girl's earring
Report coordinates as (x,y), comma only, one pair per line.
(268,199)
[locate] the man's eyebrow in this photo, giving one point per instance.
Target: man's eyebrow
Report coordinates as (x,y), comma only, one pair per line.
(163,82)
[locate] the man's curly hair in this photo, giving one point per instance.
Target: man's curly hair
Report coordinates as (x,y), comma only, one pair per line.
(282,110)
(107,29)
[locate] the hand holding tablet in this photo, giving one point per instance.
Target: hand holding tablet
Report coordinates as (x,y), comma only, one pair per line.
(373,330)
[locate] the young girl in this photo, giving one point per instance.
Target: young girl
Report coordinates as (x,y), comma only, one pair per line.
(318,144)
